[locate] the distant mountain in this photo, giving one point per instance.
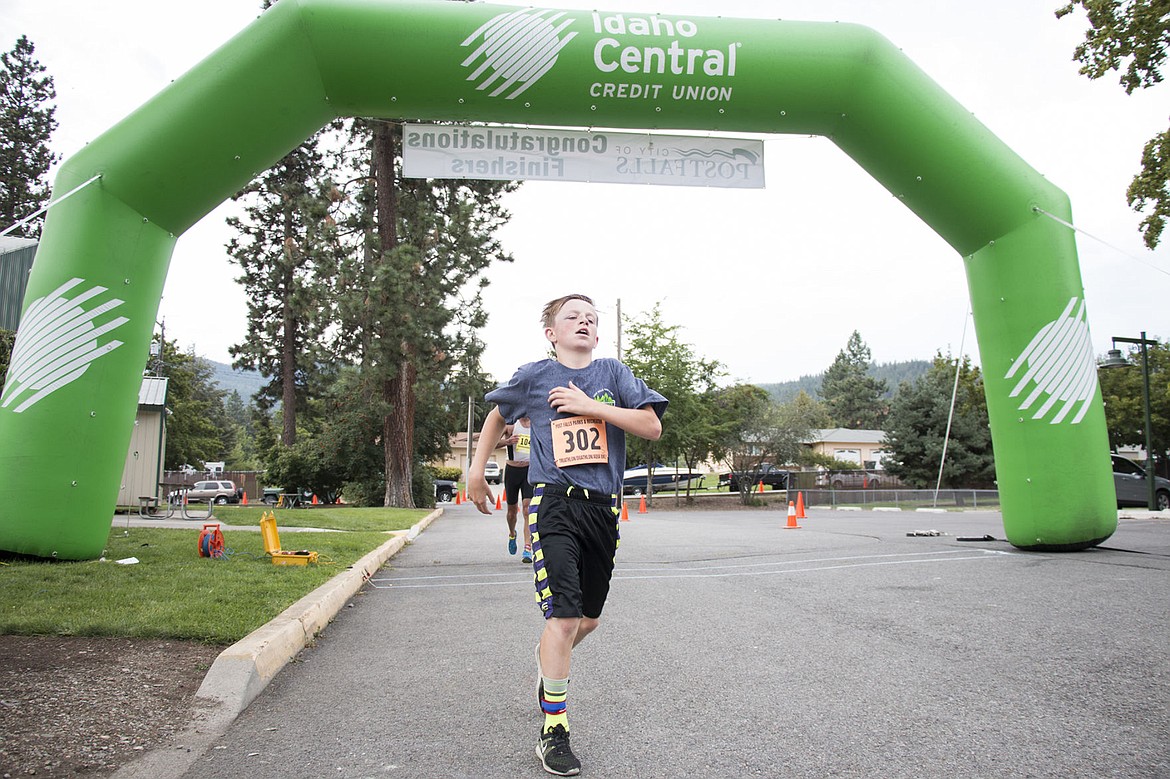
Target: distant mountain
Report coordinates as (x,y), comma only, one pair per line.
(247,383)
(894,374)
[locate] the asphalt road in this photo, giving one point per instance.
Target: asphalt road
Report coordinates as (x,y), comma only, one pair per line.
(733,647)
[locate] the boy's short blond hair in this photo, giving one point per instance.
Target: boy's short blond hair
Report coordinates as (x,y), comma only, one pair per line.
(554,306)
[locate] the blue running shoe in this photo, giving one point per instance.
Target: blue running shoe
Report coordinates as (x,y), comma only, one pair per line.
(511,544)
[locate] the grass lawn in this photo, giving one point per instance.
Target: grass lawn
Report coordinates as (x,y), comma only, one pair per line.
(329,517)
(174,593)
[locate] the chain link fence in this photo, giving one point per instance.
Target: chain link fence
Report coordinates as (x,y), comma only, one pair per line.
(903,498)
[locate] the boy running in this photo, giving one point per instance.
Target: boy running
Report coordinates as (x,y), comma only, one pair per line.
(580,411)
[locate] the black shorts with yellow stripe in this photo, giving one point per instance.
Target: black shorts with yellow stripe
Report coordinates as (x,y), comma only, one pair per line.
(574,542)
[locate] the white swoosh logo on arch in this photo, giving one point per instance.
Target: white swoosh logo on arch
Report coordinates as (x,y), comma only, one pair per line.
(55,344)
(515,49)
(1060,365)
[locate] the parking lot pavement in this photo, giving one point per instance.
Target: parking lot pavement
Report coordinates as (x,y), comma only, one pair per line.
(734,647)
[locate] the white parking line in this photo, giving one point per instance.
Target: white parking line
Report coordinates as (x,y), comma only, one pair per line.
(840,563)
(674,571)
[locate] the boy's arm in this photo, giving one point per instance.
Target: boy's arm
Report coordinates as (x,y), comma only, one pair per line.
(478,491)
(642,422)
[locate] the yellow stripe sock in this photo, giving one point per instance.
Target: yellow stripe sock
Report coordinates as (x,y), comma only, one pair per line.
(553,704)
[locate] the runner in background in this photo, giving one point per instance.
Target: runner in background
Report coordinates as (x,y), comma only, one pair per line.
(516,484)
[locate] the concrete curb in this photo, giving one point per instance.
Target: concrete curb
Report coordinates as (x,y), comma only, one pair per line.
(244,669)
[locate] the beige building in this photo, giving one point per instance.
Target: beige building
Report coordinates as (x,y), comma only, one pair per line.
(865,448)
(457,456)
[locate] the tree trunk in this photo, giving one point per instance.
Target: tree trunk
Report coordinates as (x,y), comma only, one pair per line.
(288,348)
(398,392)
(398,436)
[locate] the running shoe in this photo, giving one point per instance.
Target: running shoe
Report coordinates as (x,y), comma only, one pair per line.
(526,557)
(555,755)
(511,544)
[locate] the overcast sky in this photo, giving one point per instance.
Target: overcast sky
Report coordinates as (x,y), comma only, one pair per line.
(770,282)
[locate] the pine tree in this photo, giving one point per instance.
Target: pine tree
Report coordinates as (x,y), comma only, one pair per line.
(853,398)
(288,251)
(409,297)
(917,429)
(26,123)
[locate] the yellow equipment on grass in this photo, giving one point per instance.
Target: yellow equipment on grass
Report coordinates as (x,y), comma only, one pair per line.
(272,544)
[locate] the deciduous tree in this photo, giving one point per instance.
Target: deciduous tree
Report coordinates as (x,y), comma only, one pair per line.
(756,431)
(1131,36)
(7,340)
(198,430)
(657,355)
(1121,389)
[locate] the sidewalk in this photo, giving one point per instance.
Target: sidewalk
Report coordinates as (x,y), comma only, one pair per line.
(244,669)
(178,523)
(732,646)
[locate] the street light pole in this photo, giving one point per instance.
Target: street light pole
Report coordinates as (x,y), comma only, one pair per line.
(1114,359)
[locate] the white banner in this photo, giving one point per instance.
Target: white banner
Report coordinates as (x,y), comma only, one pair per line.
(517,153)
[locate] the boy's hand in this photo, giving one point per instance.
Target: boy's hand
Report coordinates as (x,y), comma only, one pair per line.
(571,400)
(480,494)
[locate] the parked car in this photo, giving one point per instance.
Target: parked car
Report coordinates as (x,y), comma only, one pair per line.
(665,478)
(492,472)
(769,474)
(1129,479)
(272,497)
(849,480)
(445,490)
(218,492)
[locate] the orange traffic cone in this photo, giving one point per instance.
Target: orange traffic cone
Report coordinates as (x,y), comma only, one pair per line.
(625,512)
(498,505)
(865,481)
(800,505)
(314,499)
(458,497)
(244,499)
(642,505)
(791,517)
(761,487)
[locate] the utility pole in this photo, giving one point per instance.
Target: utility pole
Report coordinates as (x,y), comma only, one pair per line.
(157,347)
(470,422)
(1115,360)
(619,329)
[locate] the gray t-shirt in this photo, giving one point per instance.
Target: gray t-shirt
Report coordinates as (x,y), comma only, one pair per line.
(604,379)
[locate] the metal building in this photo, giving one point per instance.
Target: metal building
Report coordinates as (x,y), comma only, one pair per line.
(16,259)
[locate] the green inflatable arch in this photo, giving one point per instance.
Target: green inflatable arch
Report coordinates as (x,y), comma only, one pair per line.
(68,408)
